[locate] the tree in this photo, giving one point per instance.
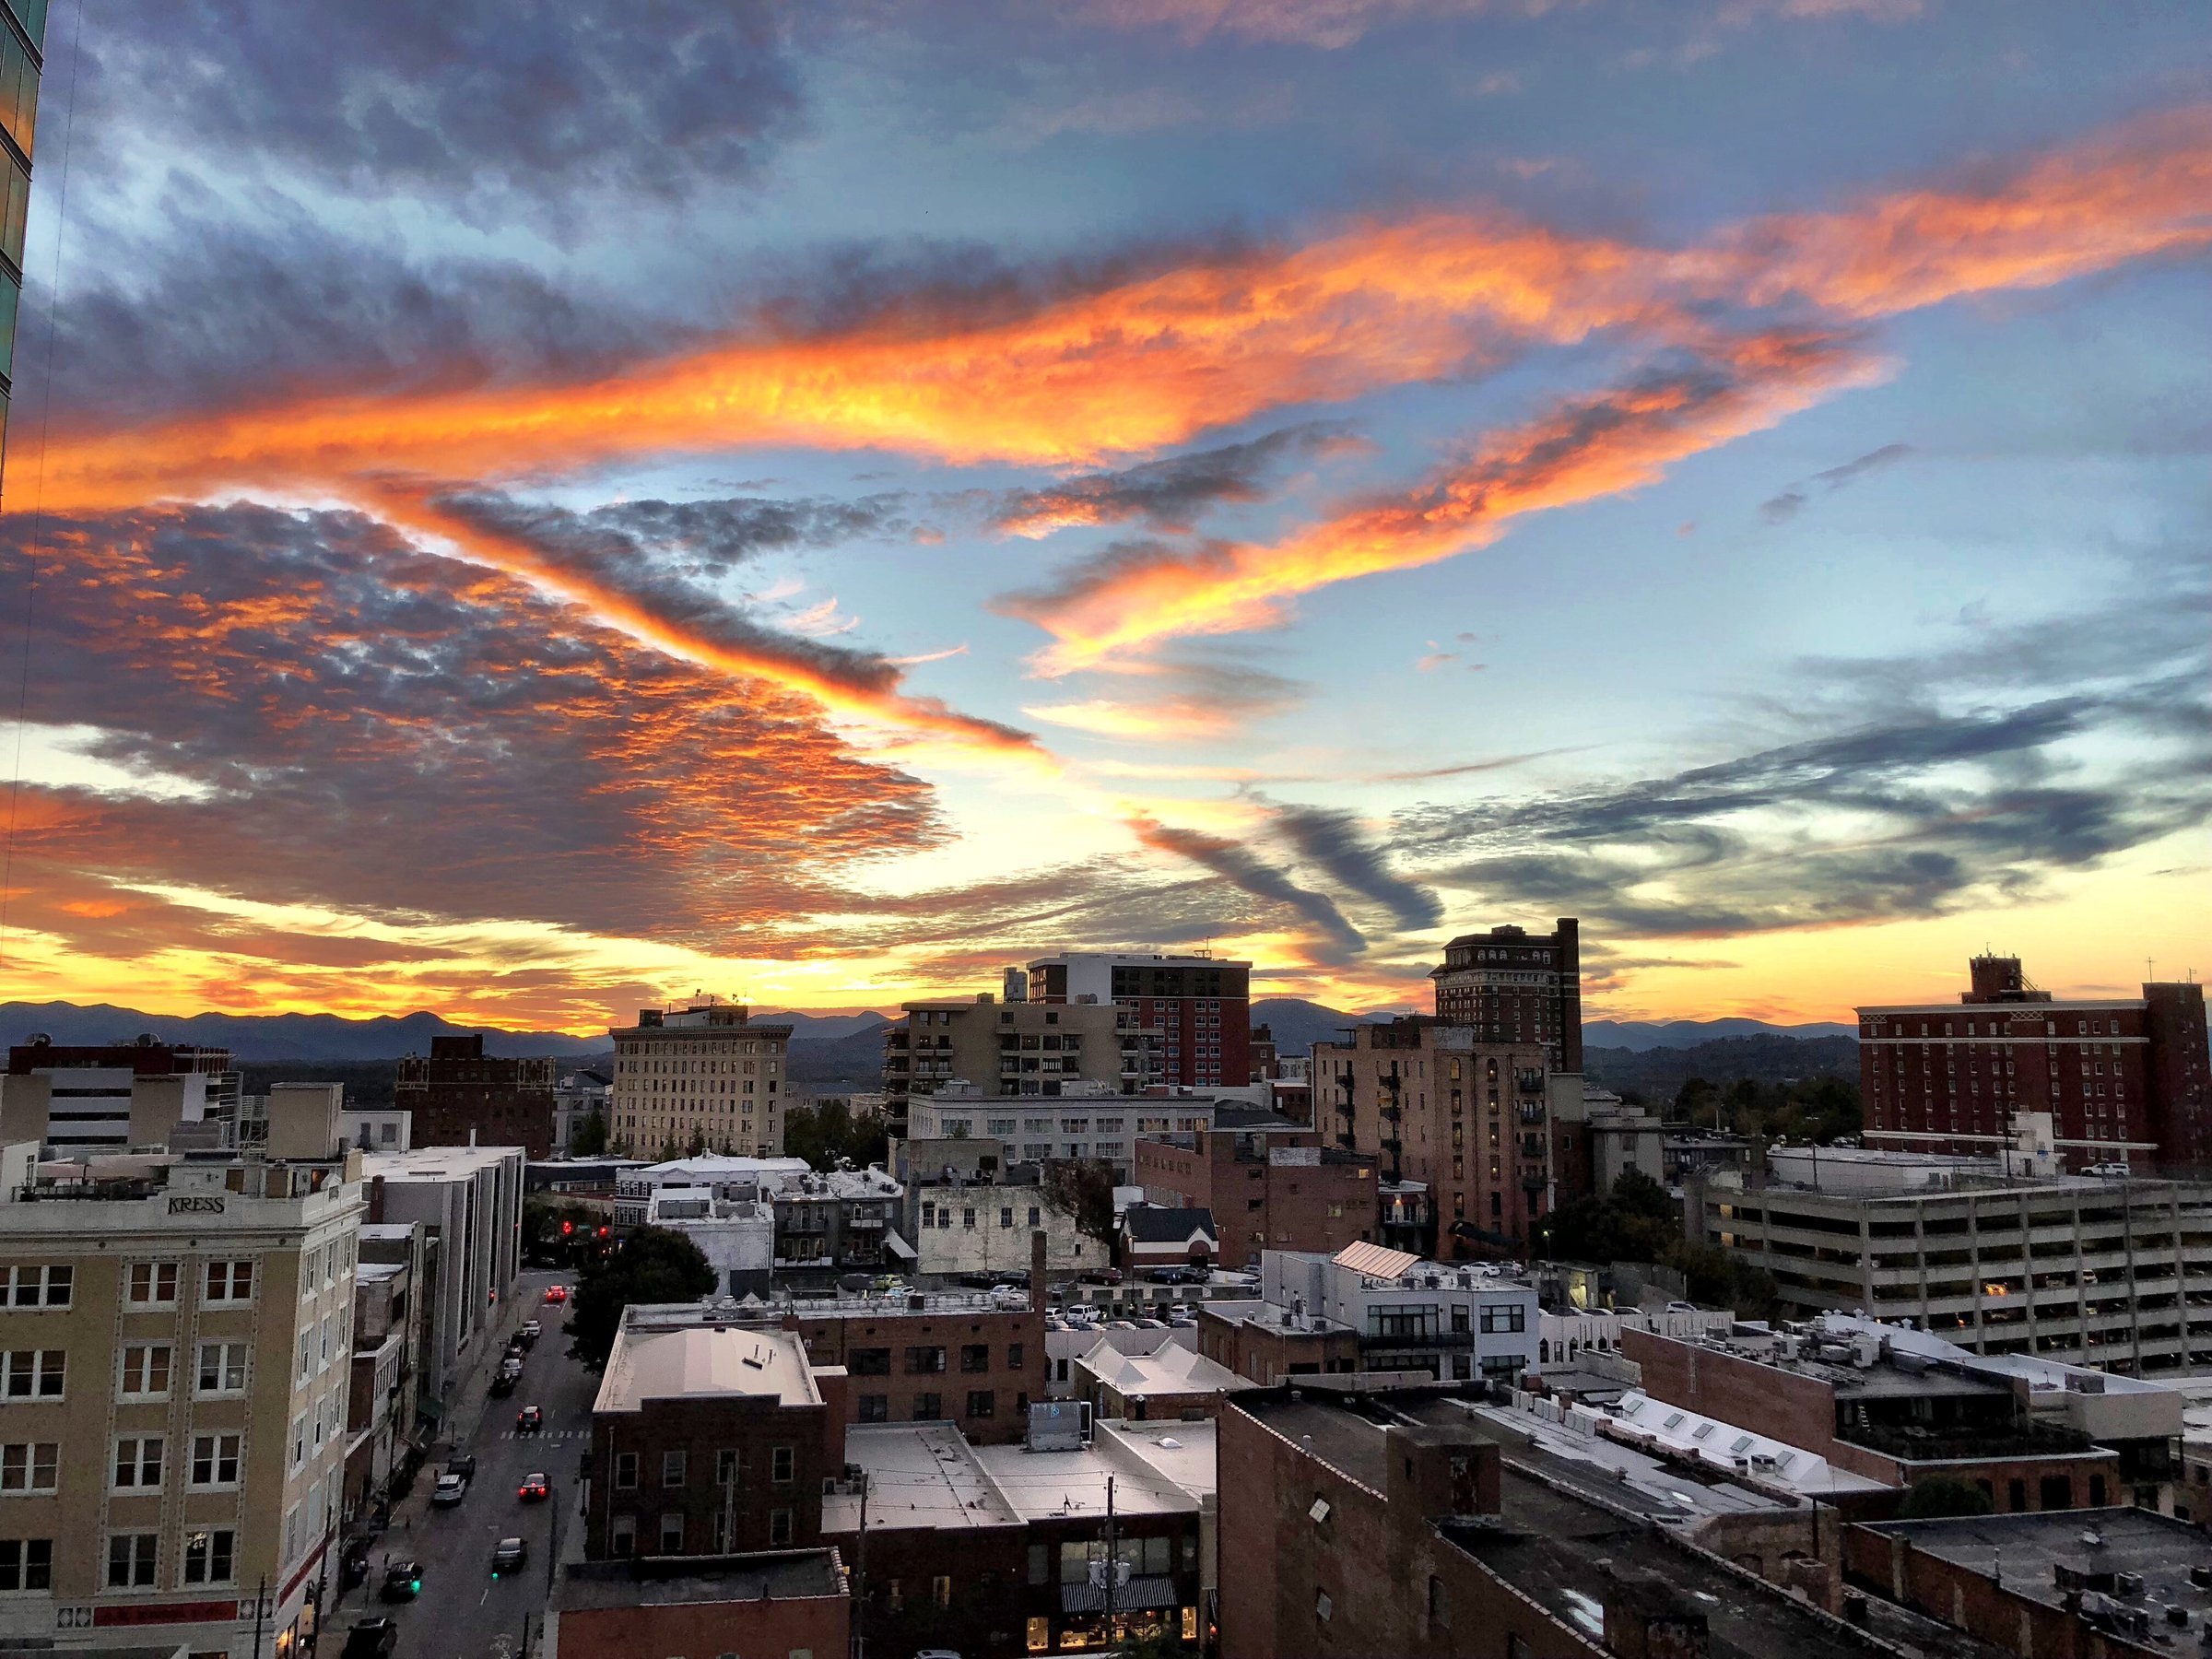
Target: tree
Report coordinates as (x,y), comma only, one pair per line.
(1083,1187)
(653,1265)
(826,1134)
(590,1138)
(542,1240)
(1942,1495)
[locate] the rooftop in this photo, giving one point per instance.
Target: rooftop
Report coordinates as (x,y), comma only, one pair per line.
(1168,1369)
(1153,1224)
(1718,1445)
(919,1474)
(2031,1547)
(435,1163)
(1351,1443)
(1050,1486)
(666,1581)
(654,1361)
(1270,1317)
(1181,1453)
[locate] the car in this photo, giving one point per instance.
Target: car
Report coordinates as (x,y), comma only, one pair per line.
(451,1489)
(535,1488)
(1006,1296)
(530,1419)
(463,1463)
(517,1351)
(532,1330)
(508,1555)
(370,1639)
(557,1293)
(402,1580)
(1100,1275)
(503,1385)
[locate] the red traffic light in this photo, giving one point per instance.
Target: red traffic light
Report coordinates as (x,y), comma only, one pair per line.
(603,1232)
(567,1227)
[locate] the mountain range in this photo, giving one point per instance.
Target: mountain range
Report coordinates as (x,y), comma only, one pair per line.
(833,1044)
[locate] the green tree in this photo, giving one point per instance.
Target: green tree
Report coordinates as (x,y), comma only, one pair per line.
(653,1265)
(1942,1495)
(590,1137)
(542,1238)
(825,1133)
(1083,1187)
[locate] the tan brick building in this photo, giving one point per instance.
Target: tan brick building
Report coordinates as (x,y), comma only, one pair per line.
(175,1353)
(1270,1184)
(699,1076)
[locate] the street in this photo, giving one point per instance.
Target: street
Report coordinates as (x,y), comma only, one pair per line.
(464,1613)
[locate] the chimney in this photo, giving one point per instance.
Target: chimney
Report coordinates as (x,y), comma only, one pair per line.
(1037,1271)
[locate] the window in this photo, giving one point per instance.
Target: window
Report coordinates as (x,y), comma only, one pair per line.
(622,1537)
(673,1466)
(1012,1356)
(139,1462)
(33,1373)
(779,1526)
(672,1532)
(230,1282)
(30,1467)
(209,1556)
(36,1287)
(928,1408)
(1036,1216)
(152,1284)
(875,1408)
(626,1471)
(780,1460)
(215,1459)
(982,1402)
(872,1363)
(25,1563)
(922,1361)
(940,1591)
(1006,1216)
(222,1368)
(131,1557)
(146,1368)
(975,1357)
(1511,1316)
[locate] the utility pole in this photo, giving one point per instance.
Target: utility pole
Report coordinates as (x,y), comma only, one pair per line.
(1112,1563)
(860,1598)
(261,1606)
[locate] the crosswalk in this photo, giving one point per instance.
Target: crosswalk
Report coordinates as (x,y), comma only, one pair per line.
(548,1435)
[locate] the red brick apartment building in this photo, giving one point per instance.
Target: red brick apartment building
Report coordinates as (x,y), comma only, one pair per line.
(462,1096)
(1270,1184)
(2124,1080)
(1510,986)
(1356,1526)
(790,1601)
(1201,1006)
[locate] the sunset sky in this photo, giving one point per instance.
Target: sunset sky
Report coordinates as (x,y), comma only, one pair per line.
(549,507)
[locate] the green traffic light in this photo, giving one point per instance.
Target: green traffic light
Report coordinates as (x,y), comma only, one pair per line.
(416,1586)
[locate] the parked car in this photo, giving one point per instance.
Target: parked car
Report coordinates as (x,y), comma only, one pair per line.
(1100,1275)
(371,1639)
(510,1554)
(451,1489)
(1178,1275)
(530,1419)
(463,1463)
(503,1385)
(534,1489)
(1006,1296)
(532,1330)
(402,1580)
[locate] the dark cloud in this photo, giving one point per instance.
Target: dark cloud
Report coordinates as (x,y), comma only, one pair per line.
(1169,494)
(1781,509)
(487,105)
(206,310)
(1331,839)
(657,555)
(368,726)
(1337,939)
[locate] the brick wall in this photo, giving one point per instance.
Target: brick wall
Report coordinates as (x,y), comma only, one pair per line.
(1267,1354)
(703,1430)
(1797,1410)
(818,1625)
(1007,1347)
(1890,1565)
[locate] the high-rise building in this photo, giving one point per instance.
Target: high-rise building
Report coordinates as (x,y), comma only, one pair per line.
(1514,986)
(1201,1006)
(460,1096)
(75,1099)
(2123,1078)
(175,1360)
(1012,1049)
(699,1076)
(22,41)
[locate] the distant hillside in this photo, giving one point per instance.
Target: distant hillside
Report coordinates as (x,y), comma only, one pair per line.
(272,1037)
(1298,1025)
(1640,1035)
(1657,1074)
(824,1027)
(846,1064)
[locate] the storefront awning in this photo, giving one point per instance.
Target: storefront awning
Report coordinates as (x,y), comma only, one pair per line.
(1138,1595)
(896,1245)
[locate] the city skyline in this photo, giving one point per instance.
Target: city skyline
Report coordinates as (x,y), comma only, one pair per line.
(539,517)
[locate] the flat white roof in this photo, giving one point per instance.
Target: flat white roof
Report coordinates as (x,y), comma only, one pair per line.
(701,1361)
(1043,1485)
(435,1163)
(919,1474)
(1181,1452)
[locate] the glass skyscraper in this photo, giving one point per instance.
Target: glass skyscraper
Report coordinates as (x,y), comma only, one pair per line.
(22,41)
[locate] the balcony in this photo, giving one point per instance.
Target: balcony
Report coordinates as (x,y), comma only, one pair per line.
(1529,1113)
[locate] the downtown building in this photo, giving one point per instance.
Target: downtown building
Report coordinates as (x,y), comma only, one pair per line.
(459,1095)
(79,1098)
(176,1356)
(1201,1007)
(699,1076)
(1510,987)
(1013,1050)
(2124,1080)
(22,44)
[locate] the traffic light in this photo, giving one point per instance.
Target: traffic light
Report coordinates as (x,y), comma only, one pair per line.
(603,1231)
(567,1227)
(414,1585)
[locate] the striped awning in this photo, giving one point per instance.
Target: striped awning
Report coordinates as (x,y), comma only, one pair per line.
(1138,1595)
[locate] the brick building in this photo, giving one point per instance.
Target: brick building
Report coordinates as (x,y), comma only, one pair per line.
(459,1095)
(1200,1008)
(698,1075)
(2124,1079)
(709,1439)
(1006,1052)
(789,1601)
(1269,1183)
(1510,986)
(1267,1343)
(77,1099)
(1466,1121)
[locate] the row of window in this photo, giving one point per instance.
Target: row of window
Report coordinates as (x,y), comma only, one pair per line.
(622,1533)
(142,1370)
(30,1468)
(940,1215)
(210,1557)
(924,1361)
(144,1285)
(982,1402)
(676,1467)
